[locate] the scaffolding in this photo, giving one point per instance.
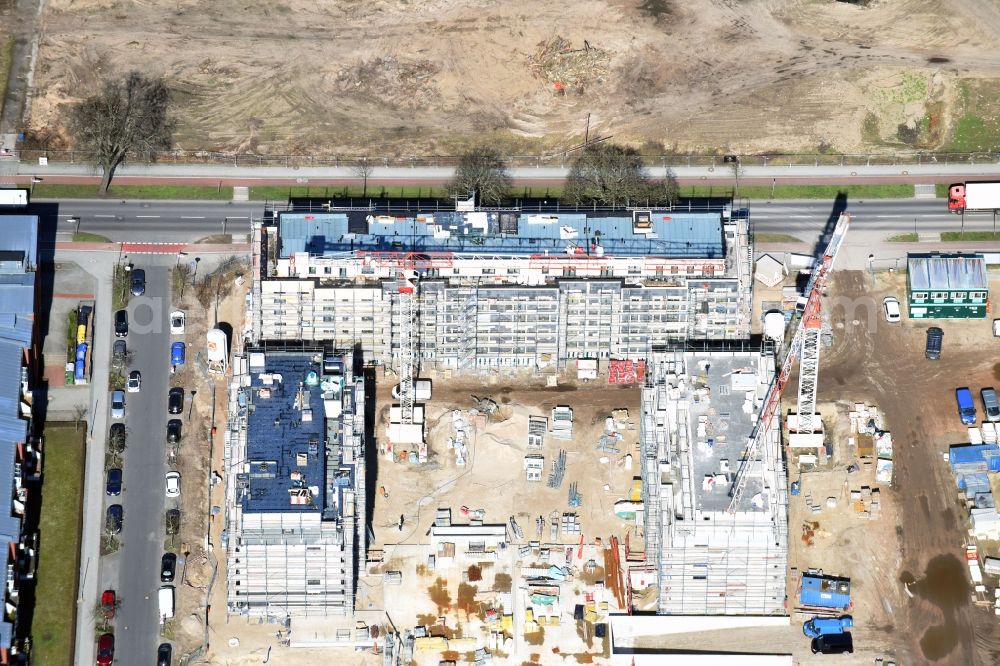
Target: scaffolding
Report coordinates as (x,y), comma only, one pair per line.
(285,560)
(709,560)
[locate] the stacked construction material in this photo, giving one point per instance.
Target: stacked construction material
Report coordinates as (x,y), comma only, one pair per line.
(626,371)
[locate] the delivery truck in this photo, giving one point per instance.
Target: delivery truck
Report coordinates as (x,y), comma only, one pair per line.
(974,196)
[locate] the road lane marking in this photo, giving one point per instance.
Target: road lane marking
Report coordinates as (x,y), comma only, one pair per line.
(103,215)
(148,216)
(192,217)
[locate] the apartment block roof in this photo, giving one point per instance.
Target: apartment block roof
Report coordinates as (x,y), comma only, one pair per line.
(20,234)
(655,233)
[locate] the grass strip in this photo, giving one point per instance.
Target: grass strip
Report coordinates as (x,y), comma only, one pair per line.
(775,238)
(861,191)
(284,192)
(175,192)
(903,238)
(85,237)
(957,236)
(59,545)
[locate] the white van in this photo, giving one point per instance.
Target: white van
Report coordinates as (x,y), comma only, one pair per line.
(166,597)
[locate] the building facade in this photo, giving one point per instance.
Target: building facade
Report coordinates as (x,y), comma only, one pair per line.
(506,288)
(947,286)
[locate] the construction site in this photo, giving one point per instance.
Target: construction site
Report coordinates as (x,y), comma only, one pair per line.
(511,434)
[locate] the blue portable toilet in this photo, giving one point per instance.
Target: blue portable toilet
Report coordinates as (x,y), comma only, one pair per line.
(177,353)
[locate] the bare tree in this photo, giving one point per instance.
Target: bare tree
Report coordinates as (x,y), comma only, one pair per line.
(128,116)
(363,170)
(484,172)
(79,414)
(116,443)
(614,175)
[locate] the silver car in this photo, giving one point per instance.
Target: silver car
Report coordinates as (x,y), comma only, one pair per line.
(118,404)
(990,404)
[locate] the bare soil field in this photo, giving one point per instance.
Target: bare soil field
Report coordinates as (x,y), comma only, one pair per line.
(403,77)
(921,532)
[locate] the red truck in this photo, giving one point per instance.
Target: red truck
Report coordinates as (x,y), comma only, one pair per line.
(974,196)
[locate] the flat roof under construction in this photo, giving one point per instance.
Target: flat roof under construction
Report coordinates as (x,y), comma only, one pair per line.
(654,233)
(721,391)
(286,436)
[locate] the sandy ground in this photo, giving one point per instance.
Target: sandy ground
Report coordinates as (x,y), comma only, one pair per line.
(921,530)
(192,461)
(390,77)
(494,478)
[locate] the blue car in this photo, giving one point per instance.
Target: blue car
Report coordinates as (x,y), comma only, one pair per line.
(820,626)
(177,354)
(114,485)
(966,406)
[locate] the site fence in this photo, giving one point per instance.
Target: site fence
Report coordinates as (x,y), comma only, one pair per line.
(555,160)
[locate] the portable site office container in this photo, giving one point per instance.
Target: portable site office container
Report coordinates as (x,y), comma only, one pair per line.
(947,286)
(825,592)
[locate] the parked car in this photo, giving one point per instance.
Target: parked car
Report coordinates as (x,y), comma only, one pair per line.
(966,406)
(134,381)
(164,654)
(173,484)
(115,518)
(177,321)
(991,407)
(173,431)
(177,354)
(890,306)
(172,521)
(935,339)
(168,564)
(833,644)
(121,324)
(109,604)
(118,404)
(114,485)
(175,400)
(821,626)
(138,282)
(105,649)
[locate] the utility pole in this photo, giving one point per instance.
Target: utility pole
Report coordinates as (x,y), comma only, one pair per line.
(586,132)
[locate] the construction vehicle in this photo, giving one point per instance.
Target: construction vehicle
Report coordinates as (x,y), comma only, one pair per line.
(805,342)
(974,196)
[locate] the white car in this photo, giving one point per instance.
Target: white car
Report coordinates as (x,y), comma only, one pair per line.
(173,484)
(177,320)
(118,404)
(890,305)
(134,382)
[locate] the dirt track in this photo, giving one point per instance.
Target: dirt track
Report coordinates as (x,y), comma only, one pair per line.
(390,76)
(885,365)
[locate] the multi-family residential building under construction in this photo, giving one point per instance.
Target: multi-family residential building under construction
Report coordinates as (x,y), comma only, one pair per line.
(534,287)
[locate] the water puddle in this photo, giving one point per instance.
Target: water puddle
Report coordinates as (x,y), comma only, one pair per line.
(944,584)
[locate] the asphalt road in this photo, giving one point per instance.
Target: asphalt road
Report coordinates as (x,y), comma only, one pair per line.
(180,221)
(145,466)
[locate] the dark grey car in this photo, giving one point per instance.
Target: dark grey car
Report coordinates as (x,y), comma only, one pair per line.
(935,339)
(138,282)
